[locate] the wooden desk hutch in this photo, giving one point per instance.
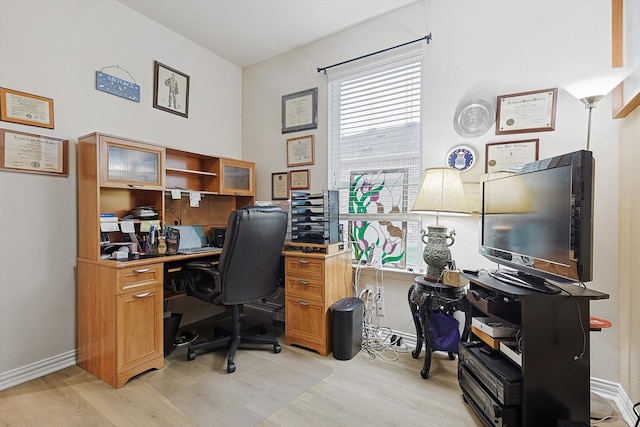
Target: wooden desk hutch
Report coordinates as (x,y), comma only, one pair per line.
(120,303)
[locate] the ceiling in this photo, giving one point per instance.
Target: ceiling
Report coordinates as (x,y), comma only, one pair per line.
(245,32)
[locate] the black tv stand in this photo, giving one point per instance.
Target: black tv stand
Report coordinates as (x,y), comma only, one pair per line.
(554,352)
(524,280)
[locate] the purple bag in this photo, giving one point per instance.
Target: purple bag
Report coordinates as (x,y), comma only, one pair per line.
(444,332)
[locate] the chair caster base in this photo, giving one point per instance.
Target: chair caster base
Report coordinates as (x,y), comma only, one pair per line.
(277,348)
(191,355)
(231,367)
(424,374)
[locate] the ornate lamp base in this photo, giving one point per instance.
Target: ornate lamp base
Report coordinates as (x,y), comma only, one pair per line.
(436,250)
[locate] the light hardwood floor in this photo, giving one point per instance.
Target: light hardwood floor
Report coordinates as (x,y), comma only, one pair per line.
(294,388)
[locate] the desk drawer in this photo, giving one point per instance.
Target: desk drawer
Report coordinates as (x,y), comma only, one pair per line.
(304,288)
(133,278)
(306,322)
(309,268)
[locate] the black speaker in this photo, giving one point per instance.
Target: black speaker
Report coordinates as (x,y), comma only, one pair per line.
(217,236)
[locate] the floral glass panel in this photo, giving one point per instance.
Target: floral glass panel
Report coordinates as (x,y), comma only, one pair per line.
(379,193)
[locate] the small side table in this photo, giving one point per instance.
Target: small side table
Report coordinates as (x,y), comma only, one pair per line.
(426,296)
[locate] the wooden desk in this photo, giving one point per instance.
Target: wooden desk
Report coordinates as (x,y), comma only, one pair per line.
(120,315)
(425,297)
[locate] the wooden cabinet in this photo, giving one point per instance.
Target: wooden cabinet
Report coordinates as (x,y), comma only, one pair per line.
(236,177)
(120,303)
(553,341)
(120,319)
(128,164)
(313,281)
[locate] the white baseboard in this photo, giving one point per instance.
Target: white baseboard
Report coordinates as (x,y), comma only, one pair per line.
(37,369)
(615,393)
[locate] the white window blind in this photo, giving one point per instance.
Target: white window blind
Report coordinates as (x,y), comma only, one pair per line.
(375,158)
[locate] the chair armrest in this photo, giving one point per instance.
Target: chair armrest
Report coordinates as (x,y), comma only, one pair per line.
(203,280)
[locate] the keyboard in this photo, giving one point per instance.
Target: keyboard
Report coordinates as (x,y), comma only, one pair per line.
(535,284)
(204,249)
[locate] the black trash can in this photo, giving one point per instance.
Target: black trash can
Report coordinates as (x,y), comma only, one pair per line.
(346,327)
(171,325)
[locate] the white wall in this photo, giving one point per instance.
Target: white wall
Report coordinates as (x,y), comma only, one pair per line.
(479,49)
(53,49)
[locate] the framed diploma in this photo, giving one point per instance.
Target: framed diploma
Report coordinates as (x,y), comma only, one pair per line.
(625,50)
(25,108)
(300,179)
(300,151)
(527,112)
(280,186)
(300,111)
(510,155)
(25,152)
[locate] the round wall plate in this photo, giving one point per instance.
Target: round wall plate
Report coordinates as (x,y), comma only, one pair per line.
(474,118)
(461,157)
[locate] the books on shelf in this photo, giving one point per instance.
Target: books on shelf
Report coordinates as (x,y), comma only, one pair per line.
(108,217)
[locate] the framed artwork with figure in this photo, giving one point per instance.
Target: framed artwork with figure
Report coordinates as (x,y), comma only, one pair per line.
(170,90)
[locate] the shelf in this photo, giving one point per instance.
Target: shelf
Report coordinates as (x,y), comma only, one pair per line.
(187,191)
(190,172)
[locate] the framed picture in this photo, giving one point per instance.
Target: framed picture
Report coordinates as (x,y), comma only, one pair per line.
(510,155)
(300,151)
(527,112)
(300,179)
(280,186)
(25,108)
(625,53)
(170,90)
(26,152)
(300,111)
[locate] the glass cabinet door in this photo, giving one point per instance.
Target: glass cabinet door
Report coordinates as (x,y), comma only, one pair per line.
(126,164)
(236,177)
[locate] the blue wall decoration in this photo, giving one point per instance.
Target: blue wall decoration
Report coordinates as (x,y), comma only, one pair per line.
(116,86)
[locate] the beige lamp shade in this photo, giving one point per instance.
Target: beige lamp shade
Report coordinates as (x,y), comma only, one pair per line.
(441,193)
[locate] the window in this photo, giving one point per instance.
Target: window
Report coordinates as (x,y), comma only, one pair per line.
(375,158)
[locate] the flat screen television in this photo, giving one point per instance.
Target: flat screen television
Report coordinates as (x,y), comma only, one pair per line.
(539,221)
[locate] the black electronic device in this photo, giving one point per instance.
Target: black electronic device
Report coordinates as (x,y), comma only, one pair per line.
(217,237)
(490,410)
(540,220)
(496,373)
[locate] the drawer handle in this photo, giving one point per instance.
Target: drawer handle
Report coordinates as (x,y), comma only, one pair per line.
(303,303)
(142,270)
(135,185)
(303,261)
(303,282)
(146,294)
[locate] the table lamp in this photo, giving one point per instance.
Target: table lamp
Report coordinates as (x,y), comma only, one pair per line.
(591,88)
(441,193)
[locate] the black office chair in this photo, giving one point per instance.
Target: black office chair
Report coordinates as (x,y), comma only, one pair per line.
(247,271)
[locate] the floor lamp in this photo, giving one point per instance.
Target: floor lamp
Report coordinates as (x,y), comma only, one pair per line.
(441,193)
(591,88)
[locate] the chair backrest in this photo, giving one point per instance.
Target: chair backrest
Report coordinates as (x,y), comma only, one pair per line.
(250,258)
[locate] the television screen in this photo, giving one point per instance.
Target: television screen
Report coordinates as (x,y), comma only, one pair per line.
(539,221)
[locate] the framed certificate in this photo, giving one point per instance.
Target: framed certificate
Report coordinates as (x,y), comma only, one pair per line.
(300,151)
(527,112)
(300,111)
(25,108)
(300,179)
(26,152)
(625,53)
(510,155)
(280,186)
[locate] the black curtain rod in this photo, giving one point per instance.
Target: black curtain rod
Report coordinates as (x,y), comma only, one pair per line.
(427,38)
